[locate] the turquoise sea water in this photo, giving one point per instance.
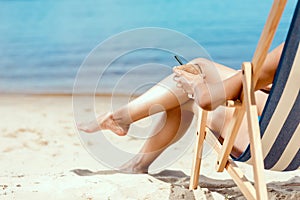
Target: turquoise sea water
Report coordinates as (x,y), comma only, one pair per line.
(44,42)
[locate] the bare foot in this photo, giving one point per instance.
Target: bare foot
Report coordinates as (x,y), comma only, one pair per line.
(133,166)
(104,122)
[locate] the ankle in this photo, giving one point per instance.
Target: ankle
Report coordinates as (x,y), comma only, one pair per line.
(122,116)
(140,169)
(135,166)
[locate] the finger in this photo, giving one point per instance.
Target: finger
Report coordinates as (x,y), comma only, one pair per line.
(184,76)
(182,80)
(190,68)
(179,85)
(176,78)
(179,67)
(187,75)
(177,71)
(191,96)
(175,67)
(186,86)
(203,76)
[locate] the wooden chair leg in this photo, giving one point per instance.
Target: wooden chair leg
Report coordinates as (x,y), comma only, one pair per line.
(254,133)
(229,139)
(198,150)
(237,175)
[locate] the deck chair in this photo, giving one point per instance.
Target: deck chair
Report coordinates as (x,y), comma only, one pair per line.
(274,139)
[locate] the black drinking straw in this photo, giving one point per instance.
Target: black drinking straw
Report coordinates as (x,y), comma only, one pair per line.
(178,60)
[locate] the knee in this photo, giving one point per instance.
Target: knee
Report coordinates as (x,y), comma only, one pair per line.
(201,61)
(204,101)
(208,67)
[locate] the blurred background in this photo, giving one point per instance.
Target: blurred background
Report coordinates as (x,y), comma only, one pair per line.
(44,42)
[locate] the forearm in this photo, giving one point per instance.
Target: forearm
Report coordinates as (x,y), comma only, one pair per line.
(269,68)
(233,85)
(230,88)
(213,94)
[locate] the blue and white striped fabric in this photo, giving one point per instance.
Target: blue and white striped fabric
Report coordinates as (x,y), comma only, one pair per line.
(279,123)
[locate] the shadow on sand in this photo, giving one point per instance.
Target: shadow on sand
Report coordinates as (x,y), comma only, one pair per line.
(179,184)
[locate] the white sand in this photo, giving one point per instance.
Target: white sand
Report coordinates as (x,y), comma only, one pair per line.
(42,158)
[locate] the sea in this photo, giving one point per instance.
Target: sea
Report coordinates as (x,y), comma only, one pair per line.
(105,46)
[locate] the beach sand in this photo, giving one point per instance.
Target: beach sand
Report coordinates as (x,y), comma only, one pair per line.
(42,158)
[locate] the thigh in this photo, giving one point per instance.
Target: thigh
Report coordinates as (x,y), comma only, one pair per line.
(219,120)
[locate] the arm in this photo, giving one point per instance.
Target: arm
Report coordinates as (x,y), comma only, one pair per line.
(210,95)
(269,68)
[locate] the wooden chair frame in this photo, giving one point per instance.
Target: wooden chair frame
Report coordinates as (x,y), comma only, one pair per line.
(250,73)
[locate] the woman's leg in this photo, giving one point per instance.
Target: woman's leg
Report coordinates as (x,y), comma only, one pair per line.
(162,97)
(176,124)
(166,95)
(171,132)
(219,119)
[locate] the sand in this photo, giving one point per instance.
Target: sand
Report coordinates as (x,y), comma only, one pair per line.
(42,158)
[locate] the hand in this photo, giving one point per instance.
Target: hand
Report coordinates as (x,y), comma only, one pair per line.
(190,68)
(187,78)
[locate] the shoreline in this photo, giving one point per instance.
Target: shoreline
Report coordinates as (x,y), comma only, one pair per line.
(66,94)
